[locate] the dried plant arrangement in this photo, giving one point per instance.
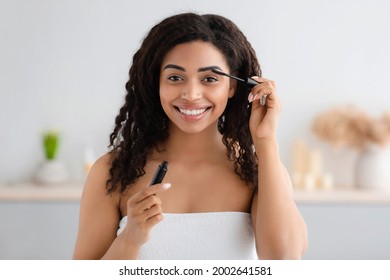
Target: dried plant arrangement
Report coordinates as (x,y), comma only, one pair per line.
(351,126)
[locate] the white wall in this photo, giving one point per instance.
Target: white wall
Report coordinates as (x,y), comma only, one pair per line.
(64,64)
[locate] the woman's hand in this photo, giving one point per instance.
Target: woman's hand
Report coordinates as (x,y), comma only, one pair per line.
(264,118)
(143,212)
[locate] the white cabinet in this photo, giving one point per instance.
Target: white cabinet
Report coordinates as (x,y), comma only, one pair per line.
(346,224)
(38,222)
(347,230)
(38,230)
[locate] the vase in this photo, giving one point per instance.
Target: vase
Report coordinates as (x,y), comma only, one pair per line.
(52,172)
(373,168)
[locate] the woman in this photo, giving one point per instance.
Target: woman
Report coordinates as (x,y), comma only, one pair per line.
(226,194)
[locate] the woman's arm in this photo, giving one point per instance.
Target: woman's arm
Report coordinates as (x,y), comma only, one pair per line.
(99,219)
(280,230)
(100,215)
(279,227)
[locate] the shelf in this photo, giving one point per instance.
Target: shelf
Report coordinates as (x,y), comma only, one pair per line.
(343,196)
(35,192)
(73,191)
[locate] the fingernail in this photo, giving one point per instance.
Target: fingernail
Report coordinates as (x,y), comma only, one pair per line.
(250,97)
(166,186)
(263,100)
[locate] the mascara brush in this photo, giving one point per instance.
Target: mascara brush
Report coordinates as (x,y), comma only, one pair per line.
(250,83)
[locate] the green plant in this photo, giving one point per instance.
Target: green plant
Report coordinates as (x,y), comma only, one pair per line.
(50,144)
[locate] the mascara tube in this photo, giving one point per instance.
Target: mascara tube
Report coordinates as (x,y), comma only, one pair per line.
(160,173)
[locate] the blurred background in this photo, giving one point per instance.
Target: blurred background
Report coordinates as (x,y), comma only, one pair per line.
(64,65)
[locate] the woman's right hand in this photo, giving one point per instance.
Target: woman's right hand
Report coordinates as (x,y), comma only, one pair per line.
(143,212)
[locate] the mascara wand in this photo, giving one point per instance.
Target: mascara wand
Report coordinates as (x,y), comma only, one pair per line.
(250,83)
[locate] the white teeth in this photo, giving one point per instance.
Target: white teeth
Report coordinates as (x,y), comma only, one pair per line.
(192,112)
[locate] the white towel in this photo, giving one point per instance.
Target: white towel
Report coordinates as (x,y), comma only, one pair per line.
(202,236)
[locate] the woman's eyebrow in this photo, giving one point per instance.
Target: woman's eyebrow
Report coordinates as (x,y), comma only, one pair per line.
(174,66)
(202,69)
(208,68)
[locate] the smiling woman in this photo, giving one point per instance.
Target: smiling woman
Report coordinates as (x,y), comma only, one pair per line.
(192,96)
(226,194)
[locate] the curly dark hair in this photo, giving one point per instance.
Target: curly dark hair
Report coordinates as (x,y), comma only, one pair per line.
(142,124)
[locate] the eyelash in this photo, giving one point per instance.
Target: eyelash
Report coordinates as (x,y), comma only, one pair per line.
(176,78)
(208,78)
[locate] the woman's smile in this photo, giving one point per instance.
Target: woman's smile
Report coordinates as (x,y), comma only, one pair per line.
(192,113)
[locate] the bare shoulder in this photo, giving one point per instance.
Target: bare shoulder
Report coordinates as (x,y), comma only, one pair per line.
(96,182)
(101,166)
(100,169)
(99,213)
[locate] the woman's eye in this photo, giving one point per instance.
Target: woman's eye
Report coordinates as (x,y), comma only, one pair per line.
(210,79)
(174,78)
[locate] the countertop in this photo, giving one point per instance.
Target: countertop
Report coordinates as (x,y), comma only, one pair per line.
(37,192)
(340,195)
(72,192)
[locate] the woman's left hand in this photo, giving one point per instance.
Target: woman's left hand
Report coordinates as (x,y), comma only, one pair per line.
(264,118)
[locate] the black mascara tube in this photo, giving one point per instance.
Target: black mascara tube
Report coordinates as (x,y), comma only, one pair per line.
(160,173)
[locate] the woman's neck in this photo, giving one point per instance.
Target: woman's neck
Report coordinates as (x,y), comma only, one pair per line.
(192,147)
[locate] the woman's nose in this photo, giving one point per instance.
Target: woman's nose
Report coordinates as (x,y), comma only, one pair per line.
(192,91)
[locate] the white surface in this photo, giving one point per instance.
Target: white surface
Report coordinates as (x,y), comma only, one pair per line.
(64,64)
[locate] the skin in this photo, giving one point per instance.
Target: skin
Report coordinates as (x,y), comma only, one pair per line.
(200,177)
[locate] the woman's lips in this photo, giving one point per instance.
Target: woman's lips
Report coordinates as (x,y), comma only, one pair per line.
(192,113)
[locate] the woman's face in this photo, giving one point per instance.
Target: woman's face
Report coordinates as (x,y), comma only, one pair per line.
(192,96)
